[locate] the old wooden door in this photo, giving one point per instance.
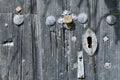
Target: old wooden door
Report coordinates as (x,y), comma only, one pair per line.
(40,47)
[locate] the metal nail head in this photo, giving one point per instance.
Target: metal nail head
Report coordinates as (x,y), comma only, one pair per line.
(111,19)
(82,18)
(18,19)
(50,20)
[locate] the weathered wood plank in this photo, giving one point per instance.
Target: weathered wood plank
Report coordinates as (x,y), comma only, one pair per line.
(26,48)
(51,59)
(10,56)
(108,56)
(77,7)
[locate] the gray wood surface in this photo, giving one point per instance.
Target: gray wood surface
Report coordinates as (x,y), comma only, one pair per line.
(16,49)
(35,51)
(50,42)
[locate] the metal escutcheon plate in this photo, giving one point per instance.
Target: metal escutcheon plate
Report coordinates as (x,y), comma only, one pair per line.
(89,42)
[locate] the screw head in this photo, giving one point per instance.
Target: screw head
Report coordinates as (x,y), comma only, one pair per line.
(18,19)
(82,18)
(105,38)
(107,65)
(50,20)
(18,9)
(111,19)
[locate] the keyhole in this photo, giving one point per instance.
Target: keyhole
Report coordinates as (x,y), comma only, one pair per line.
(89,40)
(80,58)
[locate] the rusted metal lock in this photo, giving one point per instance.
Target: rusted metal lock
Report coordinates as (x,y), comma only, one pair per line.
(80,71)
(89,42)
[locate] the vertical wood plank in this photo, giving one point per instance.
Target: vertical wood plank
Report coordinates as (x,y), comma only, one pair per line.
(15,47)
(10,60)
(88,7)
(51,56)
(108,56)
(26,49)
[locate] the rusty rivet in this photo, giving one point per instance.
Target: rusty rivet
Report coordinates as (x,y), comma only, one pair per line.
(107,65)
(111,19)
(18,9)
(18,19)
(50,20)
(67,19)
(82,18)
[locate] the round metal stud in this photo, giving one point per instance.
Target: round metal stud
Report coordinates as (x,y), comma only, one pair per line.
(82,18)
(18,19)
(50,20)
(111,19)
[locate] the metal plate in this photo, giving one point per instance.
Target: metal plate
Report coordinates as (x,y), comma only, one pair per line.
(80,74)
(89,42)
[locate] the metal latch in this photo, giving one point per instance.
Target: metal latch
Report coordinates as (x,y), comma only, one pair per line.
(80,71)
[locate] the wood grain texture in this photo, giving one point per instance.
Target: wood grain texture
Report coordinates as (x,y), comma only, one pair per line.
(109,50)
(97,10)
(50,42)
(17,52)
(35,51)
(16,49)
(88,7)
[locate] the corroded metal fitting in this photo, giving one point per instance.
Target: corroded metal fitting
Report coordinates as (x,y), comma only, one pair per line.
(67,19)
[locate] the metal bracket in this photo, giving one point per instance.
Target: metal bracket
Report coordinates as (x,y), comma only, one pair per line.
(80,71)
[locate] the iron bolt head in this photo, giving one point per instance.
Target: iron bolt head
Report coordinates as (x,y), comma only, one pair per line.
(111,19)
(50,20)
(82,18)
(18,19)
